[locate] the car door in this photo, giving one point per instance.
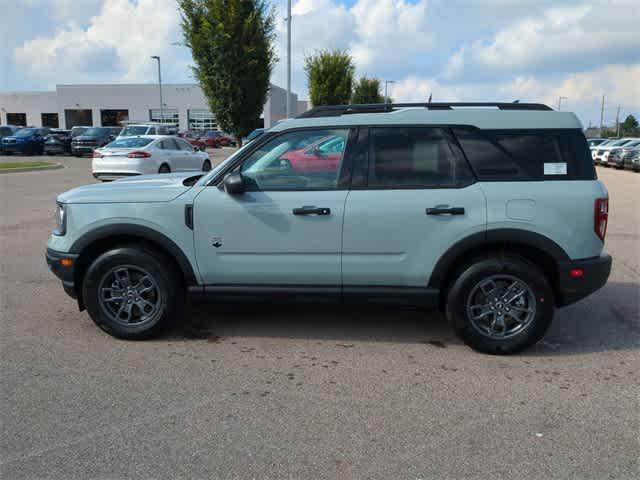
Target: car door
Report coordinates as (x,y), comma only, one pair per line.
(192,159)
(284,230)
(173,155)
(413,198)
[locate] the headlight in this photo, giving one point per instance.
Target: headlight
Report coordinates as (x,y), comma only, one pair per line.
(61,220)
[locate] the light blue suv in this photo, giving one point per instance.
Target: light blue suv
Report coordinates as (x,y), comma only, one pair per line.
(493,214)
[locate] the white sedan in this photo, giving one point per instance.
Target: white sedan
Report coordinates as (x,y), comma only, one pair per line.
(147,154)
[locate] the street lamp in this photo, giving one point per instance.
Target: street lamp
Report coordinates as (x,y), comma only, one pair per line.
(289,59)
(560,101)
(156,57)
(387,82)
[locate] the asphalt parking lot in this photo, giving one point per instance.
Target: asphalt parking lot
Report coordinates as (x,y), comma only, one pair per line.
(308,393)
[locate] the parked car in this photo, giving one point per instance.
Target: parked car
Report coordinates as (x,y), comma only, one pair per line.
(253,135)
(58,141)
(146,129)
(92,138)
(7,131)
(594,142)
(631,159)
(78,130)
(193,140)
(322,155)
(602,152)
(29,141)
(147,154)
(615,157)
(216,139)
(458,209)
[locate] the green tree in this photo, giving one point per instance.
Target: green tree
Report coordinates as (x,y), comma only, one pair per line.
(329,77)
(629,128)
(231,42)
(367,90)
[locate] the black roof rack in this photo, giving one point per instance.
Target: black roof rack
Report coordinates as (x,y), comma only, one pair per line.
(337,110)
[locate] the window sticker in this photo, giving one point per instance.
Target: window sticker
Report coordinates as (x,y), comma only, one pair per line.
(555,168)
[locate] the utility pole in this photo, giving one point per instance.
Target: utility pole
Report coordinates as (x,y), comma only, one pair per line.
(288,58)
(602,115)
(156,57)
(387,82)
(560,101)
(618,122)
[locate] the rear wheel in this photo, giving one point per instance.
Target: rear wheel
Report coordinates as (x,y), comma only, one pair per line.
(500,305)
(164,168)
(206,166)
(131,292)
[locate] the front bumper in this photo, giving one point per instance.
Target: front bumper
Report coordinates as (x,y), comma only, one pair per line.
(17,147)
(66,273)
(82,149)
(595,274)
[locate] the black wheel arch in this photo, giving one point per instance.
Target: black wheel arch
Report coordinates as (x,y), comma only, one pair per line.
(535,247)
(97,241)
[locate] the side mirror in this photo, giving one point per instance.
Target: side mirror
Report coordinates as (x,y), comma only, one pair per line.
(234,183)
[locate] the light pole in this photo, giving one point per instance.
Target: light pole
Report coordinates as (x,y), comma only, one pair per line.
(288,58)
(560,101)
(156,57)
(387,82)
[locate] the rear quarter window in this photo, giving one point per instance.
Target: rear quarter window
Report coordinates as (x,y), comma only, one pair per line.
(512,155)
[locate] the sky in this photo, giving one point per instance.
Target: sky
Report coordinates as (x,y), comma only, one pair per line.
(455,50)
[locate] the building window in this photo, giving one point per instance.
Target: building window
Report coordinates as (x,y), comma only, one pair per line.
(50,120)
(113,118)
(18,119)
(168,116)
(78,118)
(201,120)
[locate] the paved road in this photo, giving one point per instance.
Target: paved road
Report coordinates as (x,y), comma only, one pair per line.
(302,393)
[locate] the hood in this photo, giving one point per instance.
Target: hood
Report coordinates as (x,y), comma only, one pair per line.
(90,137)
(138,189)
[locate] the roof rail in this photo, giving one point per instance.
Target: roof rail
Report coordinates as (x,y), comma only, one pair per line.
(337,110)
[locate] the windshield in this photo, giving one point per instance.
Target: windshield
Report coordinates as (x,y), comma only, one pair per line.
(25,132)
(133,142)
(77,131)
(96,131)
(133,131)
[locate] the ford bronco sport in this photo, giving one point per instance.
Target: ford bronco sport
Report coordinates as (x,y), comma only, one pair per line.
(493,214)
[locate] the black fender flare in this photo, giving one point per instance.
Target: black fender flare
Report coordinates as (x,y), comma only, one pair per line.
(495,238)
(141,232)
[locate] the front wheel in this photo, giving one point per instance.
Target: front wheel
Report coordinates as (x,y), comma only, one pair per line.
(500,305)
(131,292)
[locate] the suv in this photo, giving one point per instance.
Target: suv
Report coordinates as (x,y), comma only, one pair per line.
(145,129)
(92,138)
(29,141)
(493,215)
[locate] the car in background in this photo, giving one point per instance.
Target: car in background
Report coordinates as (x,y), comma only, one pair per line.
(135,130)
(323,155)
(58,141)
(594,142)
(217,139)
(602,150)
(28,141)
(253,135)
(92,138)
(146,154)
(616,155)
(78,130)
(7,131)
(631,159)
(193,140)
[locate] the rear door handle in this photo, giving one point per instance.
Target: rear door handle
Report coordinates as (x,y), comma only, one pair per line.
(445,210)
(311,210)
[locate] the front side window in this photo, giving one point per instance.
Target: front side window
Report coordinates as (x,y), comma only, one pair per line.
(303,160)
(413,157)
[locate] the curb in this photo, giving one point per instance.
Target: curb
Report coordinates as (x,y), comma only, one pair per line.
(55,166)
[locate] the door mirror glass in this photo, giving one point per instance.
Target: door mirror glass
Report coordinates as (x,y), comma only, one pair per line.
(234,183)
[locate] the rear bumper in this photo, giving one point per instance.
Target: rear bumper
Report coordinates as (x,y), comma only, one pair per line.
(65,273)
(595,274)
(110,176)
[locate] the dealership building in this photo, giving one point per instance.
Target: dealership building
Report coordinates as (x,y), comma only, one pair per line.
(111,104)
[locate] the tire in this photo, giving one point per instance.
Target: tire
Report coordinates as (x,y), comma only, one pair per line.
(152,280)
(164,168)
(206,166)
(534,304)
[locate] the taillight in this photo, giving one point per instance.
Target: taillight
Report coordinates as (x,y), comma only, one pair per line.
(97,154)
(601,217)
(138,154)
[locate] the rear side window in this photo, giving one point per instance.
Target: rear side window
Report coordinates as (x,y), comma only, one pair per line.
(406,157)
(511,155)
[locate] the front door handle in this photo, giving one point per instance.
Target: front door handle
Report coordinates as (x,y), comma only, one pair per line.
(445,210)
(311,210)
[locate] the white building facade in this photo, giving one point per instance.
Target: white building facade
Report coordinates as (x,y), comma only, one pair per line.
(111,104)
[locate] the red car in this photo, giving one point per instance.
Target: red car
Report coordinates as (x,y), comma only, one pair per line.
(323,155)
(193,141)
(216,139)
